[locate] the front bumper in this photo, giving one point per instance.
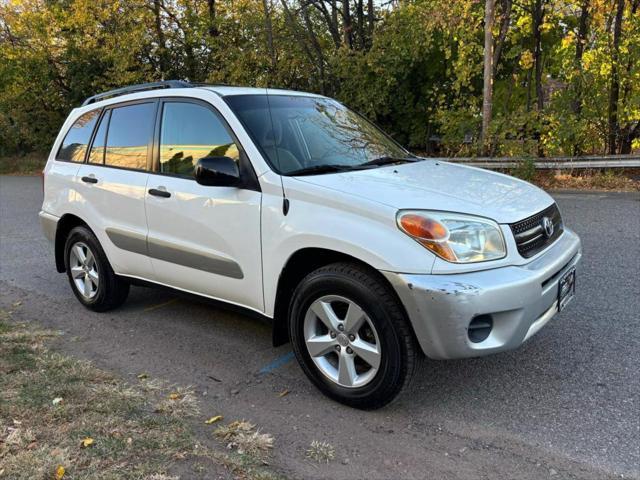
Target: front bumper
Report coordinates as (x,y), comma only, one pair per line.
(520,300)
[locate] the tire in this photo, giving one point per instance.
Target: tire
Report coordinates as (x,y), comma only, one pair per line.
(104,290)
(336,289)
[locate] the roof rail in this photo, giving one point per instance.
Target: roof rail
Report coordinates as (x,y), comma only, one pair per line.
(142,87)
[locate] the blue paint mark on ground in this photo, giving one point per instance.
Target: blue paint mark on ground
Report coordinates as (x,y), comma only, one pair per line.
(277,363)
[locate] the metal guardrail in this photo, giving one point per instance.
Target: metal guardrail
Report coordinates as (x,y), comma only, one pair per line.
(555,163)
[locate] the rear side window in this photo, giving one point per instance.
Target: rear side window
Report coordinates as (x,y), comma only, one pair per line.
(96,155)
(129,135)
(74,145)
(190,132)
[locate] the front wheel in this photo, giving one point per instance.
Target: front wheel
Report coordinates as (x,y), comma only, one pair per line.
(351,336)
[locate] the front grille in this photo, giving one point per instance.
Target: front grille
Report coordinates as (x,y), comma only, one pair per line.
(530,234)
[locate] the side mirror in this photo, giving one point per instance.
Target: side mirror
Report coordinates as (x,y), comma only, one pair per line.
(217,172)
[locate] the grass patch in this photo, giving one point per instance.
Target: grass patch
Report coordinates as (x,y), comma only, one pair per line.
(612,180)
(29,164)
(62,418)
(244,438)
(321,452)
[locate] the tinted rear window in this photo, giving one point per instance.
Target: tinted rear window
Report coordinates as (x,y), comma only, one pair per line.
(129,134)
(96,155)
(74,145)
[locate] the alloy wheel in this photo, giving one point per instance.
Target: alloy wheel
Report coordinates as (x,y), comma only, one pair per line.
(84,270)
(342,341)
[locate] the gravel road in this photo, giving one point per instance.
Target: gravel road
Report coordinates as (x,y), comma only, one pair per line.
(565,405)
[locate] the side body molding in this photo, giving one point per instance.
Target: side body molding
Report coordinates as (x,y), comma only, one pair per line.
(184,256)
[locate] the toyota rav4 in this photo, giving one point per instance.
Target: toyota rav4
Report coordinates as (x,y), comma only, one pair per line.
(289,205)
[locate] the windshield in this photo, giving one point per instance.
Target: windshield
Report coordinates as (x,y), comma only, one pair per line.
(310,134)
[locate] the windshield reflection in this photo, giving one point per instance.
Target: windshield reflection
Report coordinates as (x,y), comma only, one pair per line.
(298,133)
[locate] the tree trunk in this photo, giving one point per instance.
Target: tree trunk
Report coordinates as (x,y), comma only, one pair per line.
(346,24)
(505,23)
(360,20)
(316,47)
(538,19)
(583,30)
(614,91)
(269,29)
(631,130)
(334,12)
(371,13)
(162,46)
(300,36)
(627,140)
(213,28)
(331,18)
(487,91)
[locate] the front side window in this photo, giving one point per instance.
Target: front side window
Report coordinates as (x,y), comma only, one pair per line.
(74,145)
(129,135)
(305,133)
(190,132)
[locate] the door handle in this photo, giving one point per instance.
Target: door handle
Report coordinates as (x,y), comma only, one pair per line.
(159,193)
(89,179)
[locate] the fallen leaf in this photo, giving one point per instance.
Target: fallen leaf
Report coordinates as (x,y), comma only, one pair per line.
(87,442)
(57,400)
(129,441)
(60,472)
(17,304)
(215,419)
(283,393)
(142,376)
(174,396)
(32,445)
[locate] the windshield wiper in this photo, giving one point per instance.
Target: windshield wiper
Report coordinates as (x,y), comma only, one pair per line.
(319,169)
(336,167)
(388,160)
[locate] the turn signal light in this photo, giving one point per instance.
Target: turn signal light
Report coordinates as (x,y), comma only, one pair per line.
(429,233)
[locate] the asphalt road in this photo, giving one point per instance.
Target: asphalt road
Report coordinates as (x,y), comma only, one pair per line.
(565,405)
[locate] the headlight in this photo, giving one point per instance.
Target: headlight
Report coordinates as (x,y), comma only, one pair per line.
(454,237)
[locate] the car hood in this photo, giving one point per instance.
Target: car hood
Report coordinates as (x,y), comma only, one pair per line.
(438,185)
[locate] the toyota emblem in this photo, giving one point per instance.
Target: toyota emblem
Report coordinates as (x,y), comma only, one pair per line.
(547,225)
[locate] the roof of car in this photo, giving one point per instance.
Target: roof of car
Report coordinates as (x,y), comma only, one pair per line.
(222,90)
(228,90)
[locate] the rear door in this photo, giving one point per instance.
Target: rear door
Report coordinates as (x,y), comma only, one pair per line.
(203,239)
(113,184)
(62,169)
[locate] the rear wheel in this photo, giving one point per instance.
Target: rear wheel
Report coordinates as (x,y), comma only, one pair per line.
(90,275)
(351,337)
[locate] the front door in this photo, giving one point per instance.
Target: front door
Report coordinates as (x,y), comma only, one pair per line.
(202,239)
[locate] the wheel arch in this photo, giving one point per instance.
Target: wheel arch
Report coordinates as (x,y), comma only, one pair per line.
(299,265)
(66,223)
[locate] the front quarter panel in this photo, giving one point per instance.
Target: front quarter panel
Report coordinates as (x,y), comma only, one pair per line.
(322,218)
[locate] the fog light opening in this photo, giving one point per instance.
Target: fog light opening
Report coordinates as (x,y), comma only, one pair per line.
(480,328)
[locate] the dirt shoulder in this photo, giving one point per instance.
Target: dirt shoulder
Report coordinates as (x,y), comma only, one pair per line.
(31,164)
(590,180)
(62,417)
(313,438)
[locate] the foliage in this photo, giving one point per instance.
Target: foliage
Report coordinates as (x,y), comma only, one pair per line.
(414,67)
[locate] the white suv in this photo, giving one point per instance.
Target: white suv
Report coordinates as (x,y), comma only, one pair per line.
(288,204)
